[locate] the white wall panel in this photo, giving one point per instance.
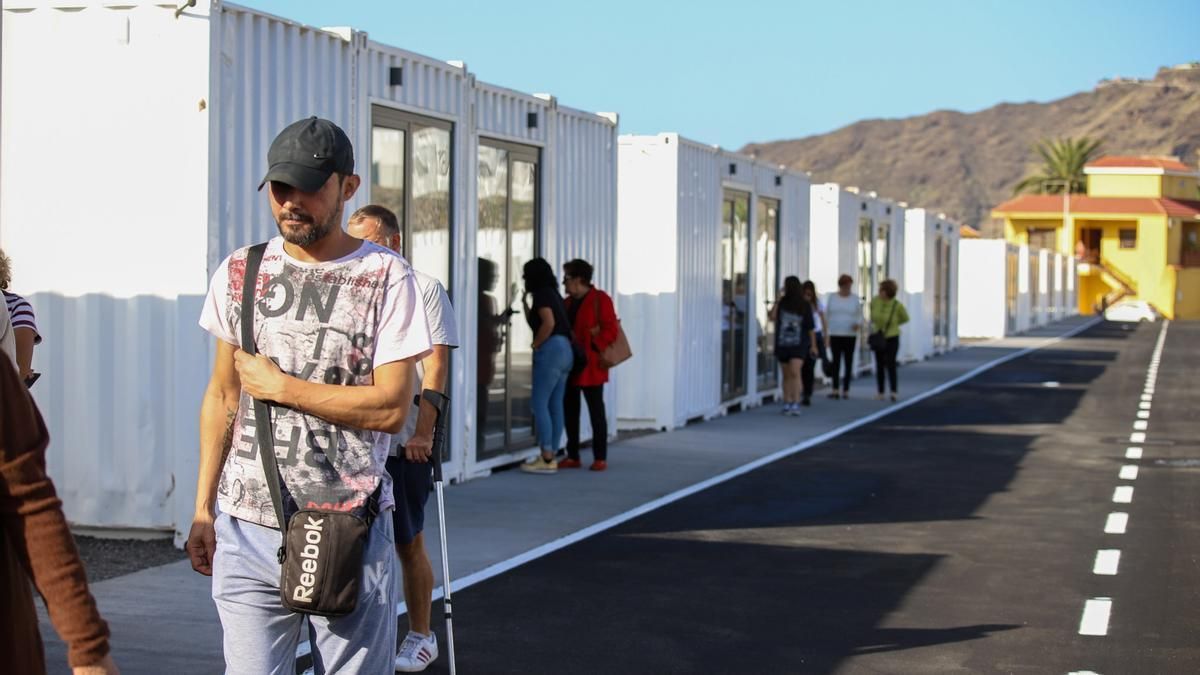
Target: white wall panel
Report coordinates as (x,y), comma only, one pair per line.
(117,298)
(698,386)
(981,312)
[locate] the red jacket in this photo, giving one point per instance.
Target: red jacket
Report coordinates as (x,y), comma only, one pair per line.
(595,327)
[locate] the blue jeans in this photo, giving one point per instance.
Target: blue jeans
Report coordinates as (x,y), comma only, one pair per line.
(551,364)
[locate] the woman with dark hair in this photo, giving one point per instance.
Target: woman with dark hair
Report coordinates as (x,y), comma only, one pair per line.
(887,315)
(552,360)
(795,341)
(820,343)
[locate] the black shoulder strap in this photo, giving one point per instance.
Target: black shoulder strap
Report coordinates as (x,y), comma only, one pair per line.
(262,413)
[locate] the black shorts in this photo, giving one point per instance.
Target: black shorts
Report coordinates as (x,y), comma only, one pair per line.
(411,483)
(785,354)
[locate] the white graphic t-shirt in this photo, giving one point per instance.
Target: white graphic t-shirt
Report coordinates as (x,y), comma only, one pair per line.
(442,331)
(330,322)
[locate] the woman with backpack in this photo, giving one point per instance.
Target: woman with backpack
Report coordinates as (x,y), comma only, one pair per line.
(887,315)
(795,339)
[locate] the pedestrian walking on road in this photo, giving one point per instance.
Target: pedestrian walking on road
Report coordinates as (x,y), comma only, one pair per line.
(410,462)
(887,315)
(843,310)
(553,358)
(820,343)
(594,325)
(336,326)
(795,339)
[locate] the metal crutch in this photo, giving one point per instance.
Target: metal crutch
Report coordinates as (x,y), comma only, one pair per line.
(441,403)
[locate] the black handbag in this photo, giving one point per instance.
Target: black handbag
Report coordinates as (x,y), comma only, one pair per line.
(877,341)
(827,365)
(321,555)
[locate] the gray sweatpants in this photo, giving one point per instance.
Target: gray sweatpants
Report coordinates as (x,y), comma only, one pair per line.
(261,636)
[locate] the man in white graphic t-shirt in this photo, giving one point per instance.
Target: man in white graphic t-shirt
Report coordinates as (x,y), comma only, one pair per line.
(338,325)
(411,468)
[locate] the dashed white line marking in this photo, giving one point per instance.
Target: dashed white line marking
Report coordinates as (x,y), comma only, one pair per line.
(1137,437)
(1083,672)
(1116,524)
(1133,453)
(1107,561)
(1141,425)
(1051,385)
(1147,397)
(1145,405)
(1095,616)
(1129,472)
(1123,494)
(1143,414)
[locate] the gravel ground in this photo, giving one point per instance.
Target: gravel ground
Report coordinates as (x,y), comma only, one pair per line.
(108,558)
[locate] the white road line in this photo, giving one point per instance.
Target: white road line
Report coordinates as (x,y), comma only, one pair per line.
(1095,616)
(1123,494)
(1133,453)
(1141,425)
(1107,561)
(1083,672)
(1143,414)
(1145,405)
(1137,437)
(1116,524)
(1147,398)
(1129,472)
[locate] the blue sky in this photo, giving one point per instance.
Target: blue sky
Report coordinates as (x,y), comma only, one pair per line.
(750,70)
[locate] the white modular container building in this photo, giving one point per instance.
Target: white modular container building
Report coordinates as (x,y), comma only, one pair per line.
(163,188)
(1011,288)
(859,234)
(930,283)
(705,240)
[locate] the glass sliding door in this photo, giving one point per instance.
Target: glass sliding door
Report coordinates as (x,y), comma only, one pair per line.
(412,174)
(939,320)
(735,292)
(507,198)
(866,284)
(766,251)
(947,293)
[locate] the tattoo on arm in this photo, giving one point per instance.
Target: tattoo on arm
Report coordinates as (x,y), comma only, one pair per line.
(227,438)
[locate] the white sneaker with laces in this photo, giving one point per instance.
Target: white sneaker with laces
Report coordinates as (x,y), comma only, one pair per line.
(416,652)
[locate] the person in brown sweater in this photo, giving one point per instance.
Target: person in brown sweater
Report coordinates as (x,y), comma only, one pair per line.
(35,544)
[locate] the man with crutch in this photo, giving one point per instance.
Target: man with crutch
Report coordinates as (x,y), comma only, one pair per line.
(413,463)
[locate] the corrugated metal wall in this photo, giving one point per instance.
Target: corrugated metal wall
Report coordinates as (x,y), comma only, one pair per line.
(267,74)
(697,364)
(647,278)
(115,268)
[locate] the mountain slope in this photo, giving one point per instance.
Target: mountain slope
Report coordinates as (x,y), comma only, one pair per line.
(964,164)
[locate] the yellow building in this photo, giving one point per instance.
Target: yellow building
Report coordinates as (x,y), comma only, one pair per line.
(1135,234)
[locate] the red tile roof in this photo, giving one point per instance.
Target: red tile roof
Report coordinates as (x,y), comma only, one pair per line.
(1122,162)
(1179,208)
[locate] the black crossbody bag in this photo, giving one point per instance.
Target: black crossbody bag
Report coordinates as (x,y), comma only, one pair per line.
(877,341)
(321,557)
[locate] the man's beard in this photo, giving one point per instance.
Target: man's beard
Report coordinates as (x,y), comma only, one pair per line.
(309,231)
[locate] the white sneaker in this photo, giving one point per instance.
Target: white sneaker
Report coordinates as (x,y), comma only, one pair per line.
(416,652)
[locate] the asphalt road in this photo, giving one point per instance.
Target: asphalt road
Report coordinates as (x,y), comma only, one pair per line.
(958,535)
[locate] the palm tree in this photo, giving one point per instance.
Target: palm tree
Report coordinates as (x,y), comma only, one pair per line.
(1062,165)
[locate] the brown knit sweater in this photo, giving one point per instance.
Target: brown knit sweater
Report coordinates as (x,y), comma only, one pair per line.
(36,544)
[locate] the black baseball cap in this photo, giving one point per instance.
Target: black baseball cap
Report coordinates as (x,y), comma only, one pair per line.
(305,153)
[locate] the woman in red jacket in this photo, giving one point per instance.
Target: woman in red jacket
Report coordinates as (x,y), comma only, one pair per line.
(594,327)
